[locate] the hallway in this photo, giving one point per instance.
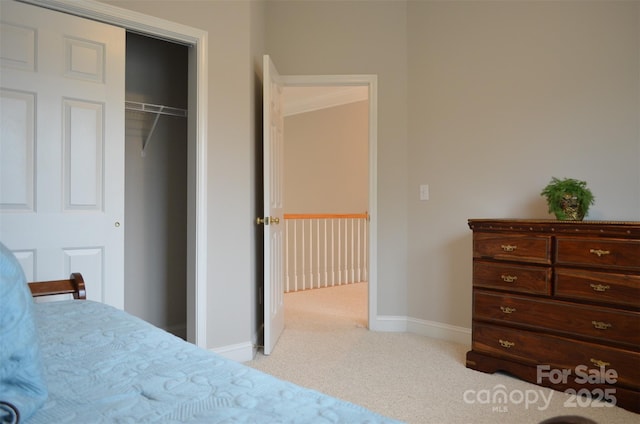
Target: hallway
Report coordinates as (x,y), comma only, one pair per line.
(327,308)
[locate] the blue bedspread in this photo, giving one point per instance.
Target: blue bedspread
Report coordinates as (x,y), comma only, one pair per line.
(103,365)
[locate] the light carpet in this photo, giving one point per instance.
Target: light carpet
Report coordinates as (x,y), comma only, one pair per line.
(419,380)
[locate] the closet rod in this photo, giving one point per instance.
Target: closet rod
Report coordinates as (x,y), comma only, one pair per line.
(158,110)
(151,108)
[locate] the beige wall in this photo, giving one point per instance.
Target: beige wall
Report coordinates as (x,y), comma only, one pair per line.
(504,95)
(355,37)
(484,101)
(326,160)
(257,50)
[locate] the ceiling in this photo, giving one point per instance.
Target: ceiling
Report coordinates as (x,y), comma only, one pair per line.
(307,99)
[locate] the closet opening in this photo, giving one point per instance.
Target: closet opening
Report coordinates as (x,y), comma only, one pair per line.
(156,181)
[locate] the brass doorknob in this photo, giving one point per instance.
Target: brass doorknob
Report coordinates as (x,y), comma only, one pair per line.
(268,220)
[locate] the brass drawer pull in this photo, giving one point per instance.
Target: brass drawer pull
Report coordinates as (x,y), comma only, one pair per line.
(508,344)
(600,363)
(599,252)
(601,325)
(508,278)
(507,309)
(508,247)
(600,287)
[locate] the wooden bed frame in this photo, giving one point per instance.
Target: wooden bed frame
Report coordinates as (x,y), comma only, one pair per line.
(74,285)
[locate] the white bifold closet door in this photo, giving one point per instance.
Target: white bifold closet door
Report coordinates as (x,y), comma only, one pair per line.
(62,147)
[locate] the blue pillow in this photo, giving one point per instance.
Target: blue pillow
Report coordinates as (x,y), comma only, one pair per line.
(22,385)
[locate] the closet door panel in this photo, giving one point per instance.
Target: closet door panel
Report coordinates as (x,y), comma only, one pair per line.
(18,48)
(83,155)
(17,161)
(62,80)
(84,60)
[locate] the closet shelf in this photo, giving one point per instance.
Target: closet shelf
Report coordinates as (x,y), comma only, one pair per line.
(157,110)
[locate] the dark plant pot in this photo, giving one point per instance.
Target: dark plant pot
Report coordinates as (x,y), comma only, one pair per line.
(571,210)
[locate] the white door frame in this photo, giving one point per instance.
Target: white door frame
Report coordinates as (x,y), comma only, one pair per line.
(197,137)
(370,81)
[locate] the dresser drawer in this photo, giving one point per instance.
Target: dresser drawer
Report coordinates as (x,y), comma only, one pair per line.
(556,352)
(603,325)
(602,287)
(606,253)
(511,277)
(522,248)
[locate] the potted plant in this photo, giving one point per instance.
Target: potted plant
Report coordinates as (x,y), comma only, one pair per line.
(568,199)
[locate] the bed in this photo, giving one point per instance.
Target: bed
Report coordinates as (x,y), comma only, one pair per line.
(100,364)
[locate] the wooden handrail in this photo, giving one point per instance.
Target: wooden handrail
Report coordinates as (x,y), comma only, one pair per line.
(325,215)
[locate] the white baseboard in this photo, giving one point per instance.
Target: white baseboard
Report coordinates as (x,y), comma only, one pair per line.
(391,323)
(437,330)
(241,352)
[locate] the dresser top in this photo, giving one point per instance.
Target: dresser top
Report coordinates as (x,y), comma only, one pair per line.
(595,228)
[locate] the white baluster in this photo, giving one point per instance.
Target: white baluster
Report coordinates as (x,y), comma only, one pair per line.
(295,254)
(326,275)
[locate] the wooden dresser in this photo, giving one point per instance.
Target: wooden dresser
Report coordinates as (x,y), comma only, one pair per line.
(557,303)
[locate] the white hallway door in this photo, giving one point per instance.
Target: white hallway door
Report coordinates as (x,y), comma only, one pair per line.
(273,168)
(62,147)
